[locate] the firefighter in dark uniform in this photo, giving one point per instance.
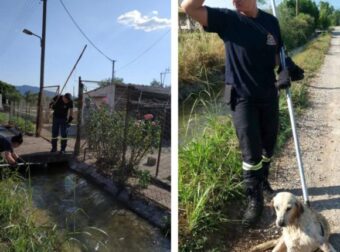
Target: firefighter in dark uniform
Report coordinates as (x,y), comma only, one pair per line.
(252,43)
(62,106)
(6,148)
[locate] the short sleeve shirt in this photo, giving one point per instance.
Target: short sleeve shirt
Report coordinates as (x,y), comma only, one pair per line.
(60,107)
(5,144)
(251,45)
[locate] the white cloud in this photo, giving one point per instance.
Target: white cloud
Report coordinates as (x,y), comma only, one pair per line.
(154,12)
(138,21)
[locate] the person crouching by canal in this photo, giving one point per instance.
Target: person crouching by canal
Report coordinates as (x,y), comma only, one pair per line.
(6,148)
(62,106)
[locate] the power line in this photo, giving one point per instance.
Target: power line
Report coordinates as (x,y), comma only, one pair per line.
(100,51)
(83,33)
(145,51)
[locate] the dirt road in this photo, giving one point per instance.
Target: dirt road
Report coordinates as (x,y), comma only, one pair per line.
(319,133)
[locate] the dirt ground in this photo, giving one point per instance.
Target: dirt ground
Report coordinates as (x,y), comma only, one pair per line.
(319,134)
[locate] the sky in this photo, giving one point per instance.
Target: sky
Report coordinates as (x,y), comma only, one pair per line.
(134,33)
(228,3)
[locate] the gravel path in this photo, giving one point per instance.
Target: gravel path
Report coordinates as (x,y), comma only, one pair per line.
(319,133)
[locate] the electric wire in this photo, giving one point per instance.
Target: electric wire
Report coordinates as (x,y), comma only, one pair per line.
(100,51)
(82,32)
(145,51)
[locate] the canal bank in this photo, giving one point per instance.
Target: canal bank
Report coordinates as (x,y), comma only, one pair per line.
(86,206)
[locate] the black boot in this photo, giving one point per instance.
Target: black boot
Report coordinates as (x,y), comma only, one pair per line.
(255,202)
(267,189)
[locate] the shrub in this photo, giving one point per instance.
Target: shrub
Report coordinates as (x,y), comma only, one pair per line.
(296,30)
(106,134)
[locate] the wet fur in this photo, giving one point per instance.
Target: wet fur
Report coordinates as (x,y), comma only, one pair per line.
(304,230)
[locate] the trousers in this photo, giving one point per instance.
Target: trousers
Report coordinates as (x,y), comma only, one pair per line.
(256,123)
(59,125)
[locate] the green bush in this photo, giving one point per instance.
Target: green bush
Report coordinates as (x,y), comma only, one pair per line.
(106,133)
(18,122)
(296,30)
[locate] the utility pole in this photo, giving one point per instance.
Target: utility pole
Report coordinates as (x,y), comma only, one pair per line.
(297,8)
(163,74)
(42,68)
(161,78)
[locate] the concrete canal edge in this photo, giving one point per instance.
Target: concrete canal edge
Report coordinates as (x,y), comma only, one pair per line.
(155,214)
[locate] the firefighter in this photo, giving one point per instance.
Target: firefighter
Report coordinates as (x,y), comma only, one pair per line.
(252,43)
(62,106)
(7,144)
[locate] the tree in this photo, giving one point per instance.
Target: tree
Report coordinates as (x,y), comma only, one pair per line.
(107,82)
(155,83)
(304,6)
(326,11)
(9,92)
(335,18)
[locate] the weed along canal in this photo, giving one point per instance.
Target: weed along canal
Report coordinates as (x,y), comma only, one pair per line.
(89,217)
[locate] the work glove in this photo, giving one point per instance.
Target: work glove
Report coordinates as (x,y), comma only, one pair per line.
(69,120)
(283,81)
(296,73)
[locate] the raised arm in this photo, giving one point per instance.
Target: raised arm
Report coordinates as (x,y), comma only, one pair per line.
(196,10)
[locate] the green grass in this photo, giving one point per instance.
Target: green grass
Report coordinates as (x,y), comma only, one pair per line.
(19,230)
(210,164)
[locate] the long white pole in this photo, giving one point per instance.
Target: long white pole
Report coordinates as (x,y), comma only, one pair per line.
(293,124)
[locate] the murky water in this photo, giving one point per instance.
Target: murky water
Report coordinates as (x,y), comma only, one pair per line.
(82,209)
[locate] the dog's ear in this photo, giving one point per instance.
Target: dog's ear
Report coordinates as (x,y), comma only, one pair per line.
(299,208)
(298,211)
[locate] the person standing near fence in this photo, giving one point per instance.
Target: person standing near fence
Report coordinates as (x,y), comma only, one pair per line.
(252,41)
(62,106)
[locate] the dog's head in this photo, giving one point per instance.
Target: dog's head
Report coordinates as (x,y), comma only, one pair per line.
(288,209)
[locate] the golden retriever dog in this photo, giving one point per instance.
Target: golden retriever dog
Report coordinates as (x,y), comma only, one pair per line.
(304,230)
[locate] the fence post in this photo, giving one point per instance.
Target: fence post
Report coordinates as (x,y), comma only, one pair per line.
(161,141)
(126,125)
(79,116)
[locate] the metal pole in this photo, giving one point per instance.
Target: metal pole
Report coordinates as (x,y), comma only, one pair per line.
(293,125)
(42,66)
(79,117)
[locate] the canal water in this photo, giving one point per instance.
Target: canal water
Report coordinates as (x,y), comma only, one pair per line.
(92,217)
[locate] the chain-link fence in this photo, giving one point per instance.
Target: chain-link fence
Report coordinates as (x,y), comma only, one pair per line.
(21,111)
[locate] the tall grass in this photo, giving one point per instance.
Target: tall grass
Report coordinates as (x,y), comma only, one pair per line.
(18,228)
(209,161)
(201,62)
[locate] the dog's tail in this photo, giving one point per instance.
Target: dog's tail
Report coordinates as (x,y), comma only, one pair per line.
(264,246)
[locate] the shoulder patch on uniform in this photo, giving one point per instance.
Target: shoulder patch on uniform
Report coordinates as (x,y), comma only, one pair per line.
(270,40)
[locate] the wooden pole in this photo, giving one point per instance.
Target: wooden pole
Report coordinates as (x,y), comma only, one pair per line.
(79,117)
(161,141)
(126,125)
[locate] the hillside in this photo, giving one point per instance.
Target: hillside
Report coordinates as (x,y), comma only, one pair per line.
(26,88)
